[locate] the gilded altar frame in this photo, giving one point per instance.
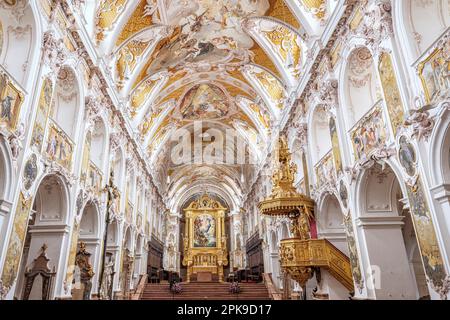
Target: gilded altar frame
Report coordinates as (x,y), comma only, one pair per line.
(205,258)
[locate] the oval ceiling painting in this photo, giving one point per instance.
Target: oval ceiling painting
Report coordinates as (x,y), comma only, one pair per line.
(204,101)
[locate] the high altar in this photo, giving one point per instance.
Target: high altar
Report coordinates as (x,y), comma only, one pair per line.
(205,245)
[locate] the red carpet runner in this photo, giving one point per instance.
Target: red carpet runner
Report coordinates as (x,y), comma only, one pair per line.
(206,291)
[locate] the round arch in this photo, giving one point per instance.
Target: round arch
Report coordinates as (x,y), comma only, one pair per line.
(46,228)
(330,221)
(319,135)
(384,222)
(18,54)
(67,98)
(419,24)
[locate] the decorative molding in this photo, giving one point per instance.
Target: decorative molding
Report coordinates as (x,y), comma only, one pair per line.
(54,54)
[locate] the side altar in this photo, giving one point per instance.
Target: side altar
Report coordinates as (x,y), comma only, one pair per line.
(205,245)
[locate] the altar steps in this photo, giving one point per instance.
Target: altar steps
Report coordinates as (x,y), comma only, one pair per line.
(206,291)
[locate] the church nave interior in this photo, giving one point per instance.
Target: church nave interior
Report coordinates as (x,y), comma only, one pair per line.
(223,149)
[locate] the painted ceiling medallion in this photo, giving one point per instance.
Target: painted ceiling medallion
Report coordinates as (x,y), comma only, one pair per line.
(204,101)
(206,32)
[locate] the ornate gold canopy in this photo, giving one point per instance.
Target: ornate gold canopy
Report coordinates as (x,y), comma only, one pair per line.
(301,256)
(285,200)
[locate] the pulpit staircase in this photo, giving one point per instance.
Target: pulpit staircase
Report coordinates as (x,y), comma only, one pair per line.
(320,253)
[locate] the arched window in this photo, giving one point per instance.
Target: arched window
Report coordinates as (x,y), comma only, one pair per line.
(66,102)
(98,144)
(386,224)
(362,89)
(320,134)
(18,40)
(425,21)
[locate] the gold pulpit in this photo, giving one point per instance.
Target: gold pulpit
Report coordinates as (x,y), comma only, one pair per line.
(205,245)
(301,256)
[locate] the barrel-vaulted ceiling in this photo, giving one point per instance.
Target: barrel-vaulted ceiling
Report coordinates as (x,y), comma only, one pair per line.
(230,63)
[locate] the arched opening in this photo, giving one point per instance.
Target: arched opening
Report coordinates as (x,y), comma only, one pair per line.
(139,256)
(330,226)
(389,237)
(46,230)
(330,223)
(98,145)
(18,41)
(425,21)
(119,169)
(297,158)
(129,198)
(90,238)
(112,233)
(126,272)
(66,101)
(275,259)
(320,134)
(63,119)
(361,86)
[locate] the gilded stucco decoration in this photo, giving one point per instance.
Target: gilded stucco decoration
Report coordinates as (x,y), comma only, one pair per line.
(72,253)
(44,105)
(427,240)
(269,84)
(353,253)
(132,51)
(336,150)
(144,90)
(139,20)
(317,8)
(107,15)
(16,241)
(145,69)
(287,44)
(280,10)
(391,91)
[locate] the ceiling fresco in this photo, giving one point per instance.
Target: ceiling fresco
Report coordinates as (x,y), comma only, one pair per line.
(206,31)
(204,101)
(232,63)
